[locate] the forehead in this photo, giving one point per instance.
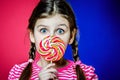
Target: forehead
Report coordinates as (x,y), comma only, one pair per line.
(52,20)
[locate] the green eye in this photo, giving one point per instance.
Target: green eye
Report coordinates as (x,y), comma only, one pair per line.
(60,31)
(43,30)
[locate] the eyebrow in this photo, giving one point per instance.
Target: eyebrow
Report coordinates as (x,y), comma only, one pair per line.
(41,26)
(63,25)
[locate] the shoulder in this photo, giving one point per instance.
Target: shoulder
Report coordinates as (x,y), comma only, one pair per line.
(16,71)
(88,70)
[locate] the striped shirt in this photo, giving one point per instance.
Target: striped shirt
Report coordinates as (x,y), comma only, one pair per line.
(65,73)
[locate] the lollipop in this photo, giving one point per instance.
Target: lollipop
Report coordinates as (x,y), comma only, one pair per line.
(52,48)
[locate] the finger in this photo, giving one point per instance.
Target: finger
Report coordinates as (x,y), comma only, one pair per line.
(49,66)
(52,76)
(51,70)
(46,76)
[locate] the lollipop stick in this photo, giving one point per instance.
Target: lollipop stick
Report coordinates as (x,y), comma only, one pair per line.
(51,62)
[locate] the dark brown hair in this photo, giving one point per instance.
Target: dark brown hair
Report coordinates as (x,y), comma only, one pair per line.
(46,8)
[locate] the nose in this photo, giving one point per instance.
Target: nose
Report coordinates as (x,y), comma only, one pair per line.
(52,33)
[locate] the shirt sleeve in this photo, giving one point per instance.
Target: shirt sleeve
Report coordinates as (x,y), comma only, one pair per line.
(16,71)
(89,71)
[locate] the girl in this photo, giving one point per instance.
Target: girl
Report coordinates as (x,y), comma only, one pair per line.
(52,21)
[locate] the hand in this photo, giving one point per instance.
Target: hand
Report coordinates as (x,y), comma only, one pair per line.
(48,72)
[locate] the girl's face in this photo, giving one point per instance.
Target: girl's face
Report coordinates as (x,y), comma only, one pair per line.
(51,26)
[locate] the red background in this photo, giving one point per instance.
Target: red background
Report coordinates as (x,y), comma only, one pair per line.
(14,41)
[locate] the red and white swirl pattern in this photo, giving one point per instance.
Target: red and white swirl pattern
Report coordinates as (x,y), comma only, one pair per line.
(52,48)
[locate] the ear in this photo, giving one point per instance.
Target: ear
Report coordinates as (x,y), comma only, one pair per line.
(32,39)
(73,36)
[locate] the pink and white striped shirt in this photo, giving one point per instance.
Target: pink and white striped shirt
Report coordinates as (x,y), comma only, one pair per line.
(65,73)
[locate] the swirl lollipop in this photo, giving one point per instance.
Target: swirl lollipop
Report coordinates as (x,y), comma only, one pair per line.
(52,48)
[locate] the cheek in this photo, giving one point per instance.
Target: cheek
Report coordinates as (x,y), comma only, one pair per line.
(38,38)
(66,38)
(37,45)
